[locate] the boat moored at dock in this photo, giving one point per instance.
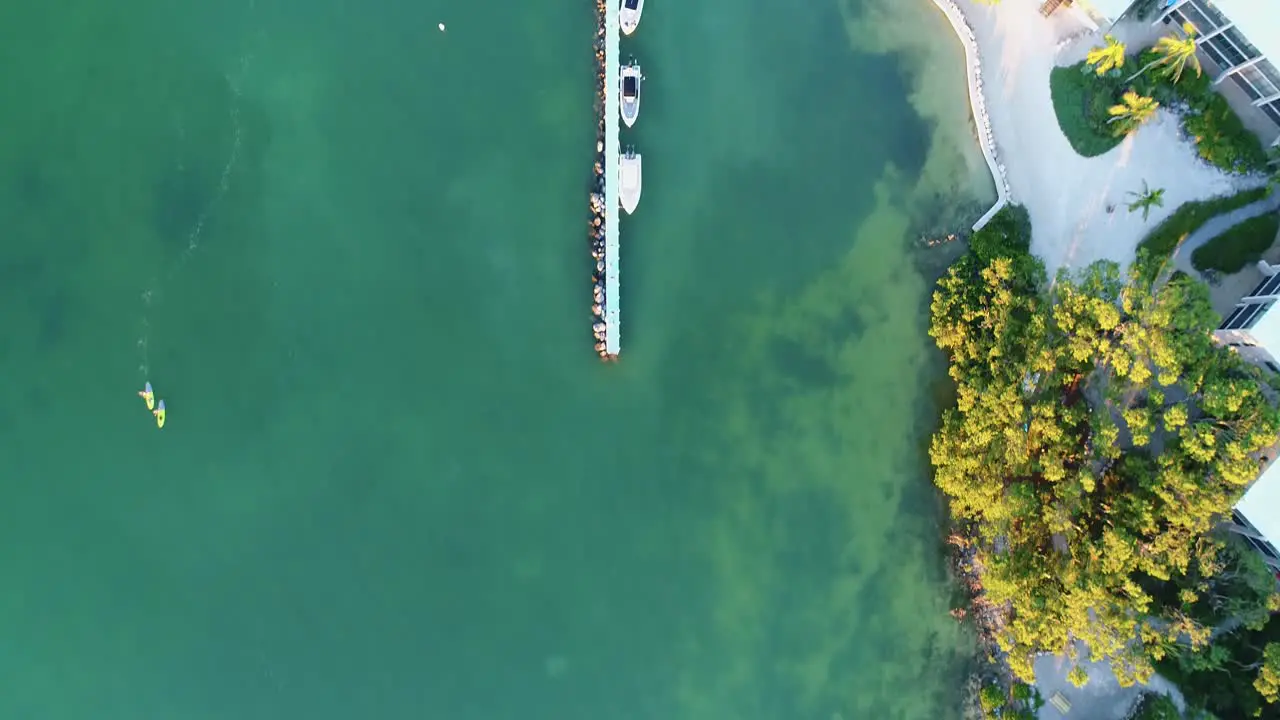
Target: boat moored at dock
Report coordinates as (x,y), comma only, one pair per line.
(629,16)
(629,180)
(630,95)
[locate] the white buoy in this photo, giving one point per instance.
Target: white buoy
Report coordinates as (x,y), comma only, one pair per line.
(441,26)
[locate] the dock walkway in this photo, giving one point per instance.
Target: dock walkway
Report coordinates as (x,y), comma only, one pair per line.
(612,152)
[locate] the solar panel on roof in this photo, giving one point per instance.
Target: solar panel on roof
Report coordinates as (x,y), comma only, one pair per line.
(1246,319)
(1231,318)
(1272,285)
(1239,317)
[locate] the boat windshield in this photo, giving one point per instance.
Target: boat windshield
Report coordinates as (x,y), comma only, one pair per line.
(629,86)
(631,4)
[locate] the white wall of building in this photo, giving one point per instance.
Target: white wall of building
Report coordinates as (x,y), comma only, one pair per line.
(1261,505)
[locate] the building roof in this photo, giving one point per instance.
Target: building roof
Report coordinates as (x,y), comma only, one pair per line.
(1257,20)
(1261,504)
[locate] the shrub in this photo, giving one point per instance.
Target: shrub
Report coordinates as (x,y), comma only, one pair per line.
(1222,140)
(1154,706)
(1240,245)
(1080,102)
(1021,692)
(991,697)
(1081,98)
(1008,234)
(1160,243)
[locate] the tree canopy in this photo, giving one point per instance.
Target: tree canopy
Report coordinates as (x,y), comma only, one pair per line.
(1131,112)
(1105,58)
(1097,437)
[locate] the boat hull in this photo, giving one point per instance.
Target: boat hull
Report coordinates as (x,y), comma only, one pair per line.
(629,182)
(629,107)
(629,19)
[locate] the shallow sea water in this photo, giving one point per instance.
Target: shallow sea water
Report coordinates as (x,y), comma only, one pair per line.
(349,252)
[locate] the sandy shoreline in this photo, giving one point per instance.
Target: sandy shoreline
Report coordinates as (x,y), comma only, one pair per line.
(977,103)
(1077,205)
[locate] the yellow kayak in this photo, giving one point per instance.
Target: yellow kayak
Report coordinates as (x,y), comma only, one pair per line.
(149,396)
(159,413)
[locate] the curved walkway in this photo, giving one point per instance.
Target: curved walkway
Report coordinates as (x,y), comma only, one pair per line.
(1066,195)
(986,139)
(1217,225)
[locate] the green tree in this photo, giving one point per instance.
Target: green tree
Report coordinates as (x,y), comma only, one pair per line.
(1155,706)
(1105,58)
(992,698)
(1268,681)
(1146,199)
(1062,394)
(1131,112)
(1174,53)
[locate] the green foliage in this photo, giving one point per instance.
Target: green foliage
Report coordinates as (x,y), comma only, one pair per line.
(1160,243)
(1106,57)
(1172,55)
(1268,681)
(1022,692)
(991,697)
(1228,582)
(1220,136)
(1146,200)
(1080,101)
(1131,112)
(1222,139)
(1155,706)
(1239,246)
(1061,393)
(1082,97)
(1233,677)
(1008,235)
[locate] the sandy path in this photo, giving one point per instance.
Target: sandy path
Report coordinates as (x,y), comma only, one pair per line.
(1077,205)
(1218,225)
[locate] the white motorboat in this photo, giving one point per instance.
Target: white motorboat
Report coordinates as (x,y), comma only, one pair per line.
(630,95)
(629,180)
(629,16)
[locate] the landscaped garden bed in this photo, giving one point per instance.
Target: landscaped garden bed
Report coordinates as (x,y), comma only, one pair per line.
(1239,246)
(1092,112)
(1160,243)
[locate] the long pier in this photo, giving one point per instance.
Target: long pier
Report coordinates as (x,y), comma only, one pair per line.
(612,152)
(605,205)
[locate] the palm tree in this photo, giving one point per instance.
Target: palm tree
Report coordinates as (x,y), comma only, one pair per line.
(1175,53)
(1133,110)
(1146,200)
(1107,57)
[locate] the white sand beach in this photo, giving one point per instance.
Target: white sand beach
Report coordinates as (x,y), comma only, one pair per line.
(1077,205)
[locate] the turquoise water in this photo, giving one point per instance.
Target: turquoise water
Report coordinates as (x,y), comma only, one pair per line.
(349,251)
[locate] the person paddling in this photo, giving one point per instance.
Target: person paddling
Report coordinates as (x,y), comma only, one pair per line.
(148,396)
